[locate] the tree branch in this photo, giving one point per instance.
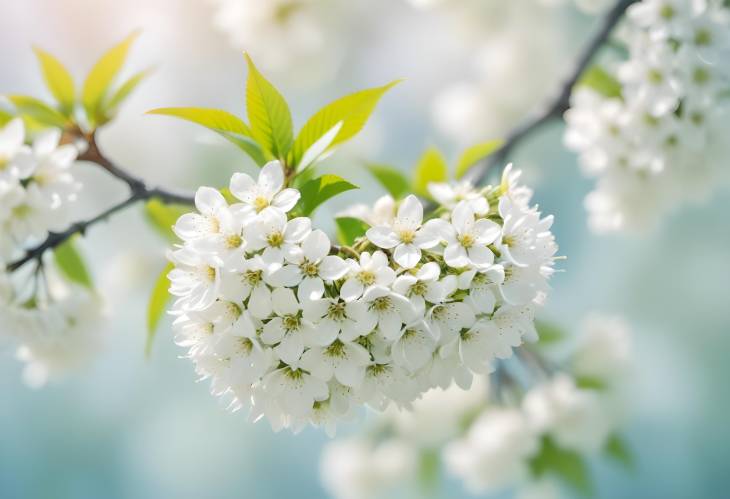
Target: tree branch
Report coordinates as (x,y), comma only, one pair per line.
(561,102)
(139,191)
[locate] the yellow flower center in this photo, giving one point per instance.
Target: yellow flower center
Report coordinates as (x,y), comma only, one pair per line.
(275,239)
(381,304)
(253,276)
(466,240)
(336,311)
(309,269)
(234,241)
(407,236)
(366,277)
(260,203)
(291,322)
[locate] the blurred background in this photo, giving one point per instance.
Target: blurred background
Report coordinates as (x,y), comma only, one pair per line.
(128,427)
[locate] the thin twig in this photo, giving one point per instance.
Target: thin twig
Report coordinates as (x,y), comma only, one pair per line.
(139,191)
(561,102)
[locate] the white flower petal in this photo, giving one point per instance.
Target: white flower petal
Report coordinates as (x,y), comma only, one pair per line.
(383,237)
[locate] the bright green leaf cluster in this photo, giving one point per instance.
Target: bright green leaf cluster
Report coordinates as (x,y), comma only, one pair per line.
(71,264)
(269,133)
(318,190)
(566,464)
(431,167)
(157,305)
(163,216)
(598,79)
(97,98)
(349,229)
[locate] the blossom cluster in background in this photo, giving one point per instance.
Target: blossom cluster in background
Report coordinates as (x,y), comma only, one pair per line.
(519,40)
(499,437)
(287,35)
(51,320)
(655,139)
(300,331)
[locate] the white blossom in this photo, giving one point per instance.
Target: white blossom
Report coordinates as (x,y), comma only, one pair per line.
(406,236)
(494,453)
(267,192)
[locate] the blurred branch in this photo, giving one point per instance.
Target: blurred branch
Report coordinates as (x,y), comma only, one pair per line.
(561,102)
(139,191)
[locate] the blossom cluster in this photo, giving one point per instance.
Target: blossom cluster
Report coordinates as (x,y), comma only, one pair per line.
(52,321)
(36,187)
(301,331)
(488,441)
(660,142)
(287,34)
(519,40)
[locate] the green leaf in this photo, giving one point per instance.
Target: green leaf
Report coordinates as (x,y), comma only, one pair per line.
(228,195)
(163,216)
(349,229)
(566,464)
(598,79)
(71,264)
(268,114)
(59,81)
(125,90)
(157,305)
(318,190)
(548,333)
(431,167)
(101,77)
(475,154)
(590,383)
(429,468)
(231,127)
(352,111)
(5,117)
(38,111)
(617,449)
(391,178)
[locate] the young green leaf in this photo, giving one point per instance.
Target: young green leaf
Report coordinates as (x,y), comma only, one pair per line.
(268,114)
(598,79)
(125,90)
(5,117)
(566,464)
(163,216)
(71,264)
(101,77)
(475,154)
(230,127)
(318,190)
(349,229)
(617,449)
(548,333)
(431,167)
(590,383)
(391,178)
(59,81)
(352,110)
(156,307)
(38,110)
(318,150)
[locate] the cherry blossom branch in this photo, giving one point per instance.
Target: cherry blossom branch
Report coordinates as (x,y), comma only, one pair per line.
(139,191)
(561,102)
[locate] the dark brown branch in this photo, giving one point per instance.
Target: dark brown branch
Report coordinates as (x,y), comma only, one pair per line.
(561,102)
(139,191)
